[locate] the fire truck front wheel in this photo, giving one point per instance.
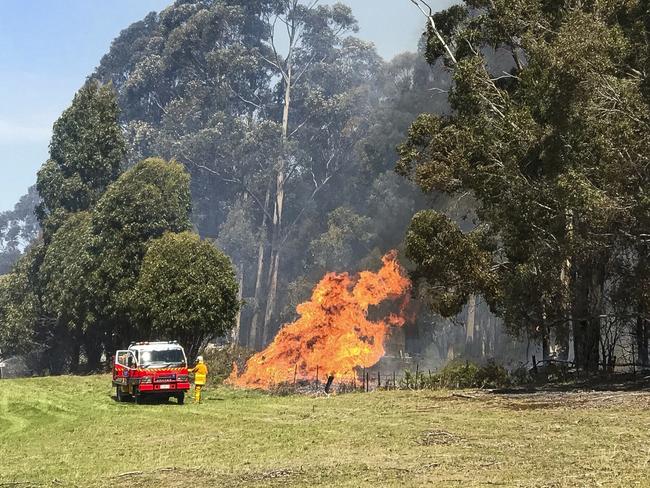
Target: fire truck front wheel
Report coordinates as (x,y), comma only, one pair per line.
(120,395)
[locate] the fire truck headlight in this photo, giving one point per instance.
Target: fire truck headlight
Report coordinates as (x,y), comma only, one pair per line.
(182,378)
(146,380)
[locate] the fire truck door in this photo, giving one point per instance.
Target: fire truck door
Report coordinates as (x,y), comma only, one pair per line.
(124,361)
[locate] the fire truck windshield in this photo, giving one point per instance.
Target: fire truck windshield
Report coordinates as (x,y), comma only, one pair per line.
(162,358)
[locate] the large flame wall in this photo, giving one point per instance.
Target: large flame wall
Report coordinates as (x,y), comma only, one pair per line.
(333,334)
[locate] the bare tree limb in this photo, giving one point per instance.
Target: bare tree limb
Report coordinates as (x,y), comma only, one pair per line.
(429,16)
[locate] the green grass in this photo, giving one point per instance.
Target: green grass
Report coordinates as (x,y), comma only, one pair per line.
(69,431)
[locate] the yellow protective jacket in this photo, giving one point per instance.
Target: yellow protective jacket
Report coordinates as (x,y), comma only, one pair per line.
(200,374)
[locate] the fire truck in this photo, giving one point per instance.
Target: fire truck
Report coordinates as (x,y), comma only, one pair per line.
(151,370)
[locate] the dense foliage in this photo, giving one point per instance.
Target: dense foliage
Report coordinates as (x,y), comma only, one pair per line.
(288,125)
(284,126)
(18,228)
(187,290)
(83,290)
(554,150)
(86,152)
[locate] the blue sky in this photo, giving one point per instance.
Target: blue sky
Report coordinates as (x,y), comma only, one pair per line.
(48,47)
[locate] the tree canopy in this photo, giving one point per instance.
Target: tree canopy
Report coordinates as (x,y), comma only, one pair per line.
(553,150)
(277,130)
(186,291)
(86,153)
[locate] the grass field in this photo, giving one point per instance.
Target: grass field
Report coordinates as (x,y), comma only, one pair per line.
(69,431)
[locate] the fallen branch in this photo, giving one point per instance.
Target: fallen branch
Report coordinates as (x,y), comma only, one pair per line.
(460,395)
(130,473)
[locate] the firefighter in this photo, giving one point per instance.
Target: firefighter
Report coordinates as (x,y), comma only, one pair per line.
(200,377)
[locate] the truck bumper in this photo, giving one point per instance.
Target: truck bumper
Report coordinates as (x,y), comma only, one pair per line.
(163,388)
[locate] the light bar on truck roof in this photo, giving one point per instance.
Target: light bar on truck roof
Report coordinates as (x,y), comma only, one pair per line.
(152,343)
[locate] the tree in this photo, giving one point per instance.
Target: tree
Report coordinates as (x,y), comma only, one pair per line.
(18,228)
(314,34)
(86,152)
(237,238)
(346,237)
(186,291)
(148,200)
(18,306)
(549,145)
(68,290)
(200,83)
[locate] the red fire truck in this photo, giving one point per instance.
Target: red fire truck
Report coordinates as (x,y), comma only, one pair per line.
(151,370)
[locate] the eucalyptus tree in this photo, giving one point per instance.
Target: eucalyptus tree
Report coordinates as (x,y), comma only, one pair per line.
(238,238)
(18,228)
(325,78)
(68,292)
(265,103)
(551,149)
(18,310)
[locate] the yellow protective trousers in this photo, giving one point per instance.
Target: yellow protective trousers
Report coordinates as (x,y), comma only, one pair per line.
(197,393)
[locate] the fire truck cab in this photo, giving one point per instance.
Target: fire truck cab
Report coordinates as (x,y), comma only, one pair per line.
(151,370)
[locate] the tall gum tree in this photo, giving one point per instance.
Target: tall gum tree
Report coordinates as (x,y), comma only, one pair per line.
(550,145)
(311,33)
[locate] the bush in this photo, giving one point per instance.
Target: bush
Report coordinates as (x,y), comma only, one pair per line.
(493,375)
(220,361)
(459,375)
(521,375)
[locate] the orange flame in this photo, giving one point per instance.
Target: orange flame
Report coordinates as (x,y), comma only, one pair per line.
(333,334)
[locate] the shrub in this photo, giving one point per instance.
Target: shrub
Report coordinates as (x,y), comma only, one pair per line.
(521,375)
(220,361)
(459,375)
(492,375)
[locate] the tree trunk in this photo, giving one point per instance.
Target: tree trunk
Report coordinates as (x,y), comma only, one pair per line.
(642,320)
(450,351)
(563,331)
(546,344)
(276,242)
(93,354)
(588,309)
(74,357)
(470,327)
(259,279)
(563,342)
(271,299)
(240,295)
(642,340)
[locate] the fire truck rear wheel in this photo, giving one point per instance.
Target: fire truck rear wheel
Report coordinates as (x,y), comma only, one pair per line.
(181,398)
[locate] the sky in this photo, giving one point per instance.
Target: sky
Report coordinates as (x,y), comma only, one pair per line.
(48,48)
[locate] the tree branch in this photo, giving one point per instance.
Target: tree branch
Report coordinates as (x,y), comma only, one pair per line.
(432,22)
